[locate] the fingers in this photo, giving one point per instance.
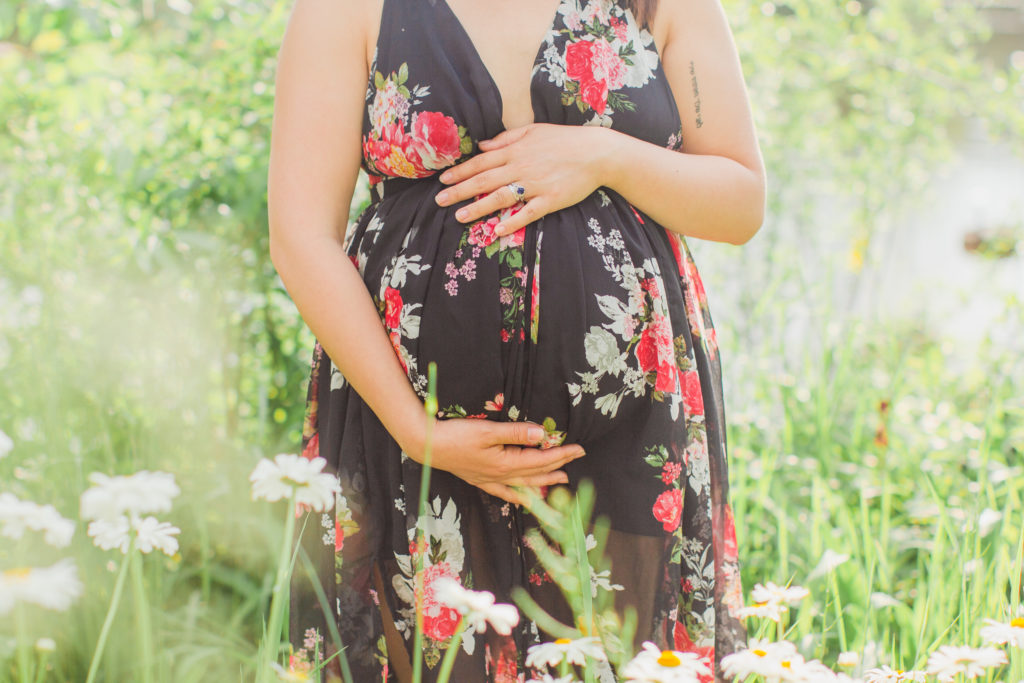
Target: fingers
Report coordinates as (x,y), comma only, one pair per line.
(504,138)
(521,433)
(530,212)
(469,168)
(506,493)
(546,479)
(525,462)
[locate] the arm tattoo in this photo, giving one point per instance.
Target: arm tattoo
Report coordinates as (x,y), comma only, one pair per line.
(696,94)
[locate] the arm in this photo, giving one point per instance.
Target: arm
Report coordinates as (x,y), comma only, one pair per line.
(314,165)
(714,189)
(315,153)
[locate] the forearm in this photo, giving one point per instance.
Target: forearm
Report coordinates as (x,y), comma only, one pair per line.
(333,300)
(705,196)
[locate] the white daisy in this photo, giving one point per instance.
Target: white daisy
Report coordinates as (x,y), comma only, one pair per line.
(885,674)
(950,660)
(779,595)
(766,610)
(276,479)
(149,533)
(18,515)
(476,607)
(6,445)
(848,659)
(152,533)
(654,665)
(53,587)
(999,633)
(547,678)
(46,645)
(773,660)
(139,493)
(550,655)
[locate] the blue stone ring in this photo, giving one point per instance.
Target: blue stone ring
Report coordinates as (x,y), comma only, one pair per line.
(518,190)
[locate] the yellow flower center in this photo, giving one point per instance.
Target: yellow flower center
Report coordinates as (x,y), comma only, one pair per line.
(1017,622)
(668,658)
(18,573)
(760,653)
(562,641)
(786,664)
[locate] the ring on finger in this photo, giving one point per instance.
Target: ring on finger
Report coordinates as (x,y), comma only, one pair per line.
(518,191)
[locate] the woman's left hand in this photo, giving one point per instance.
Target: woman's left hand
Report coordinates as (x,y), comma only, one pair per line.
(558,165)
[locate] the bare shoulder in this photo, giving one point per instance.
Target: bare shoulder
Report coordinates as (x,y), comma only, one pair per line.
(319,91)
(702,64)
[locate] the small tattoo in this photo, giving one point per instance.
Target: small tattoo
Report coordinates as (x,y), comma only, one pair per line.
(696,94)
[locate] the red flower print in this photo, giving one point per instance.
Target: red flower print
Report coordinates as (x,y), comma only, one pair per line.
(687,586)
(312,448)
(497,404)
(339,535)
(730,534)
(396,342)
(671,471)
(620,28)
(481,233)
(393,308)
(692,396)
(668,509)
(683,643)
(439,620)
(597,67)
(436,139)
(655,353)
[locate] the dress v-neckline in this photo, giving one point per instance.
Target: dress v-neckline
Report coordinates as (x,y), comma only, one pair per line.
(460,27)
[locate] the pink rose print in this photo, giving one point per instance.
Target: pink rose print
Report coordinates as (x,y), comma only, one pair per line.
(339,535)
(439,620)
(655,353)
(692,396)
(668,509)
(392,308)
(597,67)
(435,139)
(482,233)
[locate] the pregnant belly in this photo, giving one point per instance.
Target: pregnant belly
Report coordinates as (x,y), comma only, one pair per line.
(577,321)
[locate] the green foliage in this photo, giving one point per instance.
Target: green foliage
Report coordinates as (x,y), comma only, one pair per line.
(142,324)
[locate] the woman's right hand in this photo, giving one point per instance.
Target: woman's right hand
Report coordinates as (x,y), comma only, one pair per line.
(495,456)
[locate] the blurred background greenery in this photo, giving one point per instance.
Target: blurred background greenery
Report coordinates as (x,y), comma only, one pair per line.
(871,333)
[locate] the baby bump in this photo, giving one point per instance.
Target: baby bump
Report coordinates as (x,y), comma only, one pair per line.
(576,322)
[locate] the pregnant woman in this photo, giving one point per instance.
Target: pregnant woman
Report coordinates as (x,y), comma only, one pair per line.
(533,167)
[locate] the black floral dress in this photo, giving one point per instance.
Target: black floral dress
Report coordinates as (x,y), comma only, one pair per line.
(591,321)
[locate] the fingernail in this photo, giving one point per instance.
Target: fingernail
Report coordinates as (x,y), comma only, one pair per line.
(580,453)
(461,214)
(441,197)
(499,229)
(535,434)
(445,177)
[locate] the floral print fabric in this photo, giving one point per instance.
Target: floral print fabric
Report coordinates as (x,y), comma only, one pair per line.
(591,321)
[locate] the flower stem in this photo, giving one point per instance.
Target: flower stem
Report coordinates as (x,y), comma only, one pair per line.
(272,637)
(449,656)
(24,659)
(142,615)
(115,600)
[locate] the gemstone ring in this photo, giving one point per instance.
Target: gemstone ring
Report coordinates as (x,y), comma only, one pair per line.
(518,190)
